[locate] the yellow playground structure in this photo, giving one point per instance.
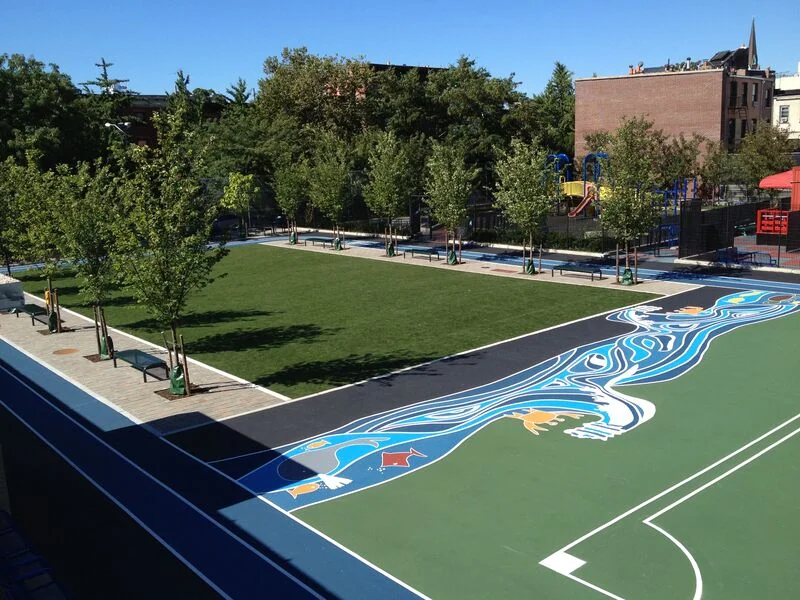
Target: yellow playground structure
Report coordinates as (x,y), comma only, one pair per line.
(587,192)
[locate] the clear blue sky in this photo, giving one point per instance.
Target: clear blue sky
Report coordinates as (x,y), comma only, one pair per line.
(217,42)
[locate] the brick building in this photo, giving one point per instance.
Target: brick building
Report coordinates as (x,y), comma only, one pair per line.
(721,98)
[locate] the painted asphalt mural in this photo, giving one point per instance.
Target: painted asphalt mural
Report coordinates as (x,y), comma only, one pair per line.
(576,388)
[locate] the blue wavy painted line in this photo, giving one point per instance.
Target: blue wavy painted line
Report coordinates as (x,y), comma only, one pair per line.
(576,385)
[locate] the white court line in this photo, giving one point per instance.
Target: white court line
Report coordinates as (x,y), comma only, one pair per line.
(672,488)
(448,357)
(698,577)
(730,471)
(312,529)
(149,476)
(593,586)
(698,591)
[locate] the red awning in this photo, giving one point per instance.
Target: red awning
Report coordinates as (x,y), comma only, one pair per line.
(778,181)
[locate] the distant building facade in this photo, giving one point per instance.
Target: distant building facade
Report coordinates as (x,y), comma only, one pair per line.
(786,106)
(721,98)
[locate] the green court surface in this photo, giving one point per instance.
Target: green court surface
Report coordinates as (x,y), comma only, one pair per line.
(714,473)
(301,322)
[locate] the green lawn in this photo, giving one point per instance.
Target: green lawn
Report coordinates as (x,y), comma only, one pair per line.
(301,322)
(476,524)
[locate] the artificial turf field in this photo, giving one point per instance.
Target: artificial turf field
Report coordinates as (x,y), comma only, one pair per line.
(697,500)
(302,322)
(477,524)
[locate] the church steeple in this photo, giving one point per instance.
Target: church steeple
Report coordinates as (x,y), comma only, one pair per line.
(752,52)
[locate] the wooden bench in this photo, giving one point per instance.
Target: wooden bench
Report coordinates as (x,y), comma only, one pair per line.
(591,270)
(34,310)
(140,360)
(430,252)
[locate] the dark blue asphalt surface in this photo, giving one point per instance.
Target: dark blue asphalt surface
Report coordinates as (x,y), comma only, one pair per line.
(239,545)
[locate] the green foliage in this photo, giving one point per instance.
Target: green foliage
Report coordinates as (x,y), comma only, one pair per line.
(41,112)
(12,238)
(290,185)
(327,92)
(88,211)
(631,210)
(237,94)
(680,159)
(717,168)
(240,193)
(556,111)
(448,185)
(525,190)
(329,182)
(166,222)
(765,151)
(390,178)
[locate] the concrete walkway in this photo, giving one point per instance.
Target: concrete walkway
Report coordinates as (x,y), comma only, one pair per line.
(222,395)
(501,270)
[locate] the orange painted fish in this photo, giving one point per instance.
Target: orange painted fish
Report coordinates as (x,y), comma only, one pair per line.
(534,419)
(306,488)
(317,444)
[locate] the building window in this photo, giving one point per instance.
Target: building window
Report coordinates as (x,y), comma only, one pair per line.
(731,131)
(744,128)
(783,113)
(768,99)
(755,94)
(744,95)
(753,125)
(732,95)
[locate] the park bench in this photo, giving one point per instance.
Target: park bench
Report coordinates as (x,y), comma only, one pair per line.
(34,310)
(316,239)
(589,269)
(140,360)
(430,252)
(760,259)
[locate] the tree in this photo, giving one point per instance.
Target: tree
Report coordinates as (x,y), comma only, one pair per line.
(88,202)
(680,159)
(165,225)
(448,186)
(716,170)
(290,185)
(11,218)
(240,193)
(525,190)
(765,151)
(39,198)
(329,182)
(237,94)
(41,111)
(389,186)
(630,209)
(556,111)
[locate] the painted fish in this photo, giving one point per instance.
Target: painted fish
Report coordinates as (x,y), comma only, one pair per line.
(534,419)
(399,459)
(306,488)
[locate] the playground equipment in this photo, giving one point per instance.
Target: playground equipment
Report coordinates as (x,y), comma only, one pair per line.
(589,190)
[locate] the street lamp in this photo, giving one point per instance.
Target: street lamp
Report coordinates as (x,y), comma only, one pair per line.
(119,127)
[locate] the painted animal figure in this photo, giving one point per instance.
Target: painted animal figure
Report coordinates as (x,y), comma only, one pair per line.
(534,419)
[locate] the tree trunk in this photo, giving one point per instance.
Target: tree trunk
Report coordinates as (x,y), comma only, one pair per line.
(540,257)
(636,264)
(617,261)
(185,369)
(524,255)
(169,352)
(460,247)
(95,314)
(49,294)
(174,331)
(627,255)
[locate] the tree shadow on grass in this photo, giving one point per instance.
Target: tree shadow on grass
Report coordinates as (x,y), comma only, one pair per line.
(341,371)
(207,318)
(261,339)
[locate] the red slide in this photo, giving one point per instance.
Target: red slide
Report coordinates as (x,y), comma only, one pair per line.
(587,199)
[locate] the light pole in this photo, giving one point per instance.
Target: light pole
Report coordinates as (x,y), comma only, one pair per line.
(119,127)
